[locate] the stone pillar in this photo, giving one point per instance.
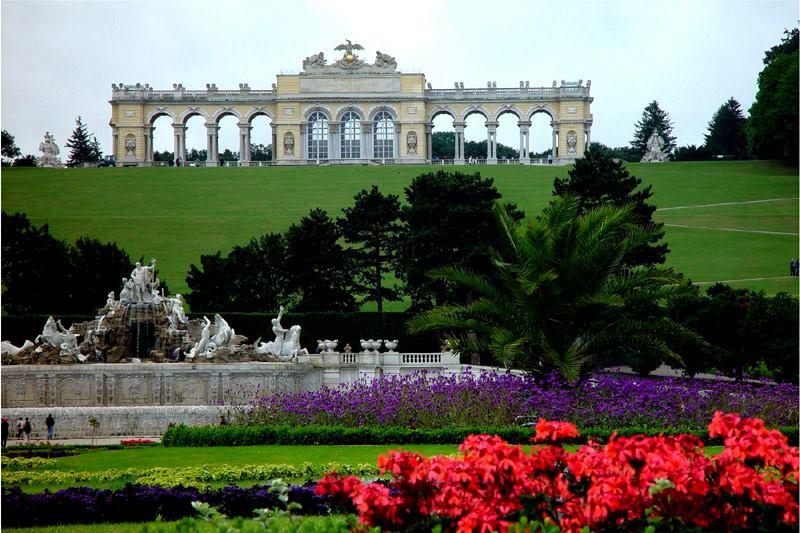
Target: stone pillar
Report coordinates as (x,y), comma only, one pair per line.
(212,147)
(180,141)
(302,149)
(491,143)
(244,143)
(274,153)
(398,131)
(334,148)
(524,139)
(554,125)
(428,143)
(458,154)
(588,137)
(148,146)
(366,140)
(115,136)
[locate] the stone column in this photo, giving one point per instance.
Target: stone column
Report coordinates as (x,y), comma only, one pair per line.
(524,136)
(148,146)
(114,144)
(300,143)
(458,154)
(554,125)
(491,143)
(428,143)
(366,140)
(244,143)
(398,131)
(212,156)
(274,153)
(334,148)
(180,141)
(588,137)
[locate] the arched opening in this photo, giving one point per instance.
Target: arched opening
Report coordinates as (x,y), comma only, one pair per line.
(261,143)
(383,136)
(317,136)
(443,137)
(163,140)
(508,137)
(475,135)
(196,141)
(542,138)
(351,136)
(228,139)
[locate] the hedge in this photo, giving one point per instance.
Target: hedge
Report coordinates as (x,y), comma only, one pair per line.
(200,436)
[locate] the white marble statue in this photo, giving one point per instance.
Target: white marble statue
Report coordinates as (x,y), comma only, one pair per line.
(144,279)
(126,293)
(224,335)
(70,344)
(203,346)
(50,151)
(111,303)
(655,149)
(173,309)
(284,347)
(54,333)
(6,348)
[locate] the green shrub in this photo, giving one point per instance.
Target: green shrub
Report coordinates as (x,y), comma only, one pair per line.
(199,436)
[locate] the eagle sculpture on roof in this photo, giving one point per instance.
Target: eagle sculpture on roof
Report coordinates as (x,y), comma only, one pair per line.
(349,47)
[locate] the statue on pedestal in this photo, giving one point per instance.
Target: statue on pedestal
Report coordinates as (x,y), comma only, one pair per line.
(50,151)
(655,149)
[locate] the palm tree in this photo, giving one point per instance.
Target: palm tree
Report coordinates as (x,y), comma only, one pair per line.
(560,297)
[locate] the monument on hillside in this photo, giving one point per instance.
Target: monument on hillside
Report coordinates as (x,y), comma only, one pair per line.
(655,149)
(50,151)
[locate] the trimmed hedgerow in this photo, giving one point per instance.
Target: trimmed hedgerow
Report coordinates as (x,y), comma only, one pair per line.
(200,436)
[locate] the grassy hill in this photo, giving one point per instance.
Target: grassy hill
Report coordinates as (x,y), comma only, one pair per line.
(177,214)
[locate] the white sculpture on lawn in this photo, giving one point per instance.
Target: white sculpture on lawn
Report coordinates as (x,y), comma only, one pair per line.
(49,149)
(655,149)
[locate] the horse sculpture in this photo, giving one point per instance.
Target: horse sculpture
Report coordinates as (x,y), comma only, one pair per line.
(287,350)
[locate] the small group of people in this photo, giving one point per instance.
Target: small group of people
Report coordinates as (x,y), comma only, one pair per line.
(794,267)
(25,428)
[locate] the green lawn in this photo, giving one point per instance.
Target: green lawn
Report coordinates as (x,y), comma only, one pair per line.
(177,214)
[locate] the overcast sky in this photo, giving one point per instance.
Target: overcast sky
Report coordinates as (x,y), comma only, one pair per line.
(59,59)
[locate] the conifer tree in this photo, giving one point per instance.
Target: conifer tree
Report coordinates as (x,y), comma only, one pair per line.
(84,148)
(653,119)
(726,133)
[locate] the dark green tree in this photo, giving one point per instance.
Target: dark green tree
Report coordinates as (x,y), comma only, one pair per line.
(259,152)
(97,268)
(196,155)
(227,155)
(691,153)
(623,153)
(84,147)
(772,130)
(653,119)
(25,161)
(448,221)
(597,179)
(558,297)
(477,149)
(10,149)
(36,268)
(166,155)
(252,278)
(320,270)
(443,144)
(372,228)
(726,135)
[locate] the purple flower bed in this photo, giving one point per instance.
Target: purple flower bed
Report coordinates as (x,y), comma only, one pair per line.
(422,400)
(141,503)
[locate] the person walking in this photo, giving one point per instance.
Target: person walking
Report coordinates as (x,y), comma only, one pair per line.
(20,424)
(26,428)
(4,433)
(51,424)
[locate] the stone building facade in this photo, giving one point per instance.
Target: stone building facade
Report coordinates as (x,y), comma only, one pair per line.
(348,111)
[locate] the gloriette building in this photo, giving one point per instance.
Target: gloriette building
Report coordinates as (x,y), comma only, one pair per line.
(349,111)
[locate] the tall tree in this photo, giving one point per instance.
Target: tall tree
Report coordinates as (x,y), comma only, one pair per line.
(259,152)
(559,298)
(10,149)
(653,119)
(84,148)
(320,269)
(448,220)
(772,131)
(726,135)
(97,268)
(443,144)
(252,278)
(372,228)
(597,179)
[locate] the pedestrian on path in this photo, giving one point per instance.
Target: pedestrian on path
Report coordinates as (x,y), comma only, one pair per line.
(20,424)
(50,423)
(4,433)
(26,427)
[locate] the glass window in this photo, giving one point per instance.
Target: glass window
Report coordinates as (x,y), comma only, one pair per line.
(383,141)
(351,136)
(317,136)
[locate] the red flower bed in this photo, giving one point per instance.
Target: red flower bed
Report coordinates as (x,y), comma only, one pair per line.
(625,484)
(137,442)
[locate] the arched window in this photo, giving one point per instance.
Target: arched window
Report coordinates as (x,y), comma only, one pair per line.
(383,141)
(351,136)
(317,136)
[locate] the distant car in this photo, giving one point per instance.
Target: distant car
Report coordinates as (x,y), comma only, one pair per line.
(107,162)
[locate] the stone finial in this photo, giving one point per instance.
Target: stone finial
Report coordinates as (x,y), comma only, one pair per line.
(114,87)
(461,84)
(430,86)
(554,83)
(563,83)
(274,86)
(580,83)
(521,84)
(527,84)
(489,84)
(456,84)
(588,84)
(494,85)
